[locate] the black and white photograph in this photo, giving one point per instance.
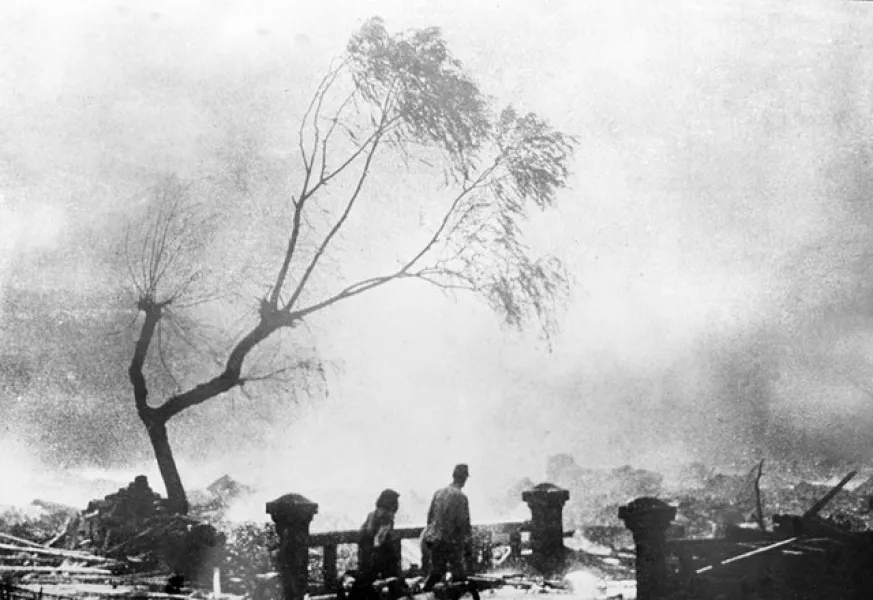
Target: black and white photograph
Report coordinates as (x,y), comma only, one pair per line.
(446,300)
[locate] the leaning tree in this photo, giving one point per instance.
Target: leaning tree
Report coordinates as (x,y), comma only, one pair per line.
(400,99)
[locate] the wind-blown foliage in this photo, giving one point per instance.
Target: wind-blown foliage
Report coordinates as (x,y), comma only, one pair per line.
(424,90)
(389,95)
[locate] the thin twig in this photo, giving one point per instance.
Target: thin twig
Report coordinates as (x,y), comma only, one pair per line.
(464,192)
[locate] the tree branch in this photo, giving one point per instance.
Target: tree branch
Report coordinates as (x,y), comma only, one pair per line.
(334,122)
(373,282)
(468,286)
(350,291)
(365,170)
(428,274)
(306,192)
(274,374)
(377,133)
(270,320)
(319,93)
(140,289)
(403,272)
(298,215)
(448,215)
(289,252)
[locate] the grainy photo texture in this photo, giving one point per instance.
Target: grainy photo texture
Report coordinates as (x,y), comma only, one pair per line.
(435,300)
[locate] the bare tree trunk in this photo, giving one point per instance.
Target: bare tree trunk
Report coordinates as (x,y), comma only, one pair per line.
(176,496)
(155,424)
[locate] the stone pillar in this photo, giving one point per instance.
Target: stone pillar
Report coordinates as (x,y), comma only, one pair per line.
(292,515)
(546,502)
(329,570)
(515,544)
(648,520)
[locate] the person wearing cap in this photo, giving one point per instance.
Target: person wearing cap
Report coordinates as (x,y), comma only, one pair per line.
(378,551)
(447,538)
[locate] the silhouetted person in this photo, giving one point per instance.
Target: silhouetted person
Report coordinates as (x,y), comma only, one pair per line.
(447,539)
(378,548)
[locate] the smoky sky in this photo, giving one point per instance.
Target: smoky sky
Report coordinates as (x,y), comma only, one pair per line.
(717,229)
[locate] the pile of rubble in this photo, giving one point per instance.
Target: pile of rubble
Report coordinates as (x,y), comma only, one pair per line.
(130,534)
(33,569)
(136,525)
(119,517)
(39,521)
(22,556)
(717,515)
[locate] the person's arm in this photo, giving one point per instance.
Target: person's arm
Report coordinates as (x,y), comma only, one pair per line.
(431,510)
(370,526)
(466,531)
(384,527)
(466,526)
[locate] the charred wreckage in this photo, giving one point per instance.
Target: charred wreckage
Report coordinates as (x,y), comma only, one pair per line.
(130,544)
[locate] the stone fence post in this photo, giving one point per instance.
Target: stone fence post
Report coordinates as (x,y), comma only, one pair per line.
(292,514)
(546,502)
(648,520)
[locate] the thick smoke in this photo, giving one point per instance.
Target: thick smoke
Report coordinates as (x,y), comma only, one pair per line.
(718,229)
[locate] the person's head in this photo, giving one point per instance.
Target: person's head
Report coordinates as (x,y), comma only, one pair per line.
(388,500)
(460,475)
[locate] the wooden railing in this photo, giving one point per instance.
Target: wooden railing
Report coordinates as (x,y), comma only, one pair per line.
(329,540)
(293,513)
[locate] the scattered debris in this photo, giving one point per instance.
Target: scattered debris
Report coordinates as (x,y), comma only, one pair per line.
(127,539)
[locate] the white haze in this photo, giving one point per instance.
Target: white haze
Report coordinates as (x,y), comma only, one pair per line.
(716,228)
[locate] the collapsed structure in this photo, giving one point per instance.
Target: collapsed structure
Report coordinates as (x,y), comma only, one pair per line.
(127,538)
(118,517)
(136,521)
(803,556)
(704,544)
(536,557)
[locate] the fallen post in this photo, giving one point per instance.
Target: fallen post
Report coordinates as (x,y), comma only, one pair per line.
(759,509)
(816,508)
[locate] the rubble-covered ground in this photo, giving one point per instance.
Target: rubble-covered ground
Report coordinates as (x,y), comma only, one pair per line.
(708,499)
(54,541)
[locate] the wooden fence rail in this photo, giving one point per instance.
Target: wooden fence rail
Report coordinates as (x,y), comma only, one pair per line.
(329,540)
(293,514)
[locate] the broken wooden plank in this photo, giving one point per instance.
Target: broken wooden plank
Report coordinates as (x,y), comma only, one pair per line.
(746,555)
(58,569)
(153,530)
(60,534)
(97,590)
(19,540)
(24,557)
(56,552)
